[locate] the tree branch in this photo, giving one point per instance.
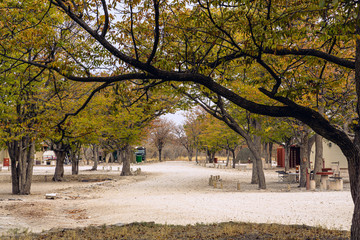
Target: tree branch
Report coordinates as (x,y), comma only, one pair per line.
(132,32)
(272,73)
(84,104)
(311,52)
(106,24)
(157,31)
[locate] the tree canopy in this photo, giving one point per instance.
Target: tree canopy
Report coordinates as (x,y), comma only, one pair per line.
(292,53)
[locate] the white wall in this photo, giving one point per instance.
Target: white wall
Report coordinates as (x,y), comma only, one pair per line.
(332,153)
(3,154)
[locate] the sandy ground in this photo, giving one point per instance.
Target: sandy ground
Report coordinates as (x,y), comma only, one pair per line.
(169,192)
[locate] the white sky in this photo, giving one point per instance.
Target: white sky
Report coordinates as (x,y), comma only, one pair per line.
(177,117)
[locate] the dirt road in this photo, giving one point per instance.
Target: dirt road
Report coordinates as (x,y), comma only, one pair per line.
(172,193)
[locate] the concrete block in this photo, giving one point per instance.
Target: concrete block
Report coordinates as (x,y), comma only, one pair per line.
(312,185)
(336,184)
(324,182)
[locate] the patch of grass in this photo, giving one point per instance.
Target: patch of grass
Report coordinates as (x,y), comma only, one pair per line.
(223,231)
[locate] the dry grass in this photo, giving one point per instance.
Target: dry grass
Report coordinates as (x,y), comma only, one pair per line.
(228,230)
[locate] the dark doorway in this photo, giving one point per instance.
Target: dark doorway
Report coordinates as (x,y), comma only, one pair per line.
(294,156)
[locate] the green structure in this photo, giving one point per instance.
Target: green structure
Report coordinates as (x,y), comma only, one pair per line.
(140,154)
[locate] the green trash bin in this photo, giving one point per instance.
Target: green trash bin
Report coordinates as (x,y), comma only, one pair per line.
(138,158)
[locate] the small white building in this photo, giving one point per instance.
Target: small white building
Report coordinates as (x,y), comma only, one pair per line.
(331,154)
(40,157)
(48,158)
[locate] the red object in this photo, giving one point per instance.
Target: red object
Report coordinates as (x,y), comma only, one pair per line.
(215,160)
(6,162)
(326,169)
(324,173)
(281,157)
(307,179)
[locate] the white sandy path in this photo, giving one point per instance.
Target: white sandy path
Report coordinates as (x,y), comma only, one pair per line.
(178,193)
(181,195)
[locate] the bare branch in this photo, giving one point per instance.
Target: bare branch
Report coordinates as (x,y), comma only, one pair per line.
(132,32)
(106,24)
(117,78)
(311,52)
(157,31)
(272,73)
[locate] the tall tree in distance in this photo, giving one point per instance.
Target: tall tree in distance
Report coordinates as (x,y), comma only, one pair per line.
(184,140)
(160,133)
(192,128)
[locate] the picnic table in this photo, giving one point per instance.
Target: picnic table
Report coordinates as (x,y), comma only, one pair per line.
(290,177)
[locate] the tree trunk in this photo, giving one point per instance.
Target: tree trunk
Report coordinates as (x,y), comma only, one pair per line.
(14,152)
(190,154)
(287,157)
(87,159)
(234,159)
(266,152)
(107,158)
(260,173)
(255,148)
(355,224)
(270,152)
(352,153)
(259,165)
(122,155)
(318,158)
(254,175)
(304,161)
(74,162)
(59,169)
(196,155)
(95,150)
(354,175)
(60,150)
(212,156)
(126,171)
(111,157)
(160,150)
(311,142)
(227,157)
(208,156)
(22,161)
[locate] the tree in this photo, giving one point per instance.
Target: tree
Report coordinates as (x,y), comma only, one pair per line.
(22,104)
(160,134)
(250,131)
(192,128)
(184,140)
(66,134)
(127,118)
(195,42)
(225,138)
(210,139)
